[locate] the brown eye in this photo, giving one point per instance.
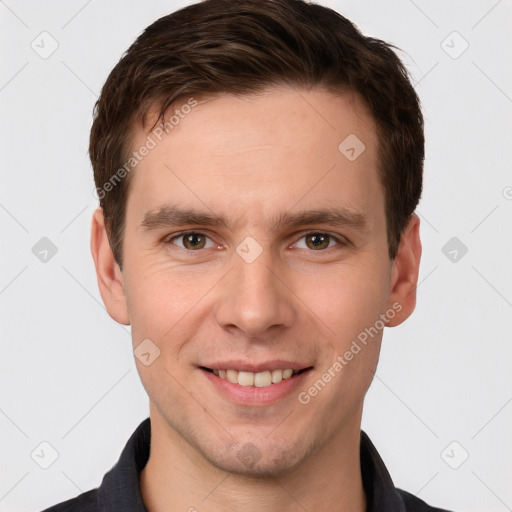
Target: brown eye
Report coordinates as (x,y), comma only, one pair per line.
(317,241)
(194,241)
(191,241)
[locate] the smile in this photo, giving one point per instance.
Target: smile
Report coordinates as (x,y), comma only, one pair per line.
(256,379)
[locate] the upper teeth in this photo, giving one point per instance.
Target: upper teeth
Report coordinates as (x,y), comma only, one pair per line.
(260,379)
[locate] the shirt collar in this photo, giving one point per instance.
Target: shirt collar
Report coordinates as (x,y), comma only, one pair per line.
(381,494)
(120,488)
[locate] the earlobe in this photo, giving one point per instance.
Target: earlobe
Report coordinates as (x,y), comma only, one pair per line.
(404,275)
(108,273)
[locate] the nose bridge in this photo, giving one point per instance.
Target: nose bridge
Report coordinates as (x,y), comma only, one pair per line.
(253,299)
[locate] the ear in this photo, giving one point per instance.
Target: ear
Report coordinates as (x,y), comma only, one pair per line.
(404,273)
(108,273)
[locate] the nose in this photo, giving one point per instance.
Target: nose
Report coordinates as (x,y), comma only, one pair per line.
(255,297)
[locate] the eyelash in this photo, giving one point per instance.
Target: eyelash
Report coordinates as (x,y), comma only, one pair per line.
(342,241)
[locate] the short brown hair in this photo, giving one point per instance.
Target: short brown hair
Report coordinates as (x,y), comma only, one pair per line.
(244,46)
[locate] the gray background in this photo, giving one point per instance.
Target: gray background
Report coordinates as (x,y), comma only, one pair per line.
(443,388)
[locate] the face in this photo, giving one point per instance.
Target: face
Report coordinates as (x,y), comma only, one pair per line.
(253,244)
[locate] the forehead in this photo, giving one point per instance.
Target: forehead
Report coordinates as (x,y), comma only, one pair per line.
(261,153)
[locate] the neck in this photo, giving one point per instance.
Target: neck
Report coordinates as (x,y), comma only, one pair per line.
(177,476)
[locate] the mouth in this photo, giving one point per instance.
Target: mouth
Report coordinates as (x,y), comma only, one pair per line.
(261,379)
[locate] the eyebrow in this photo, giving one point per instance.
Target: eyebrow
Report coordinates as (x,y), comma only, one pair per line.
(173,216)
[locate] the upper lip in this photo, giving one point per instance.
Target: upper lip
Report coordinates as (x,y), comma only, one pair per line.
(244,366)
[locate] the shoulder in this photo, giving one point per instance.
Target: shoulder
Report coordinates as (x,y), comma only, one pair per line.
(86,502)
(414,504)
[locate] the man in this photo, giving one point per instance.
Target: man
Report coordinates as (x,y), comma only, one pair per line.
(258,164)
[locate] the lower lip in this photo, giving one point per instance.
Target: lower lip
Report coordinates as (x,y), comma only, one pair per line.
(251,395)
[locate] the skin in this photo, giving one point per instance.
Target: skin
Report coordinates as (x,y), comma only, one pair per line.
(251,159)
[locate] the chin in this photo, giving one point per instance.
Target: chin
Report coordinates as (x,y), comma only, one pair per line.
(258,458)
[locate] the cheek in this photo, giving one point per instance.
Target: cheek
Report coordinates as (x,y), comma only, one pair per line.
(350,305)
(348,298)
(164,302)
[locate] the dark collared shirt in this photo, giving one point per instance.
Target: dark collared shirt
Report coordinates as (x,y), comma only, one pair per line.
(120,490)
